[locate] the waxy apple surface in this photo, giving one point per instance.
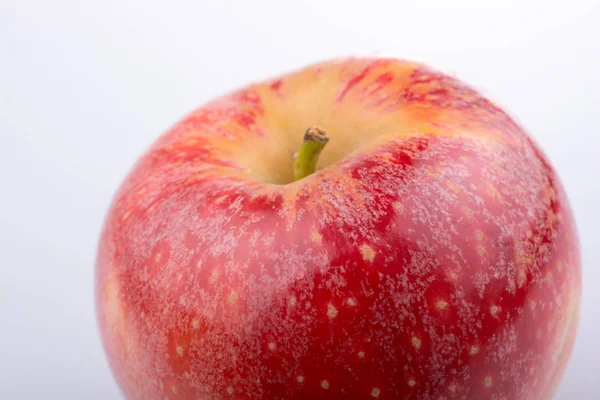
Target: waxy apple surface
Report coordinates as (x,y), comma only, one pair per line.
(433,255)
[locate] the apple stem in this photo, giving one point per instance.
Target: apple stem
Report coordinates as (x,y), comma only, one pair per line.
(305,160)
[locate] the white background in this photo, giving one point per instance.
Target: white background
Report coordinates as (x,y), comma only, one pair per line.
(86,86)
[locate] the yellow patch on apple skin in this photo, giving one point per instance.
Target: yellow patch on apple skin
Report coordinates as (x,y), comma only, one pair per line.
(532,305)
(352,98)
(559,216)
(399,207)
(441,304)
(117,326)
(332,312)
(492,191)
(293,301)
(452,186)
(375,392)
(416,342)
(195,324)
(113,307)
(232,298)
(487,381)
(453,275)
(180,351)
(494,310)
(367,252)
(316,237)
(361,354)
(480,251)
(269,240)
(220,199)
(300,379)
(125,216)
(521,278)
(254,238)
(325,384)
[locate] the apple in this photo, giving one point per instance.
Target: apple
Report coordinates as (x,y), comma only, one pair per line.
(358,229)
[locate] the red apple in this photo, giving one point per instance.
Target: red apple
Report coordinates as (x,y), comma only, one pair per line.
(432,255)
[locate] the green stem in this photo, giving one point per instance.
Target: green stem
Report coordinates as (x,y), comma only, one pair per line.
(305,161)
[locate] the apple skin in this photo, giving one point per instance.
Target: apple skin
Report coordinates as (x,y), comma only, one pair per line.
(433,255)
